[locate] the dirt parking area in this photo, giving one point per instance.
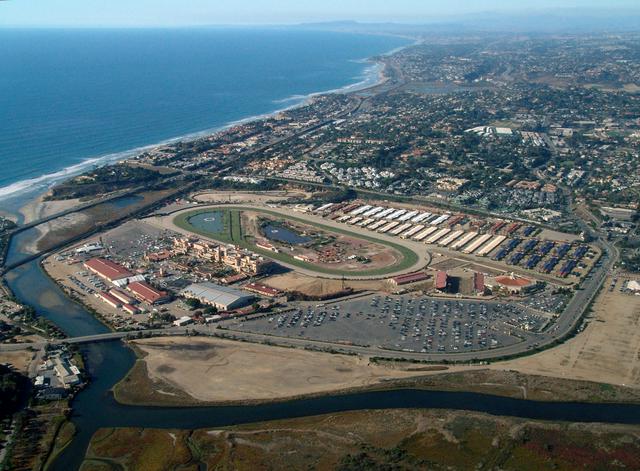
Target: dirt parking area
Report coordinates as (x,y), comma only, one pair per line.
(311,286)
(19,360)
(247,196)
(608,351)
(215,370)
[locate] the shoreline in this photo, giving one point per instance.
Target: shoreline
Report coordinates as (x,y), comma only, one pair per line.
(19,192)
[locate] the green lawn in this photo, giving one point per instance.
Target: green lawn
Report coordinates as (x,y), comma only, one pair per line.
(232,233)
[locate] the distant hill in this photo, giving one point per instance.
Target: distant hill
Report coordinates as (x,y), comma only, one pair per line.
(544,21)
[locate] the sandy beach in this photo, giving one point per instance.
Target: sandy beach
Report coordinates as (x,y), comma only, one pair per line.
(39,208)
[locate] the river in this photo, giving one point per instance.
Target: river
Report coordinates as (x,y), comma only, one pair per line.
(108,362)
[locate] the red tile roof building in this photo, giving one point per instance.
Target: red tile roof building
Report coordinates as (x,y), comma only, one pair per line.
(107,269)
(110,300)
(262,290)
(478,282)
(409,278)
(146,293)
(441,280)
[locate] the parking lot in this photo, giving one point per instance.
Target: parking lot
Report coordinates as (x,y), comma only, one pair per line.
(549,301)
(87,282)
(408,323)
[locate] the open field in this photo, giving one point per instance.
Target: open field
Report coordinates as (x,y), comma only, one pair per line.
(607,351)
(373,440)
(215,370)
(197,371)
(213,197)
(233,232)
(20,360)
(319,286)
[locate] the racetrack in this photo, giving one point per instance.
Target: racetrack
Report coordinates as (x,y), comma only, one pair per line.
(410,259)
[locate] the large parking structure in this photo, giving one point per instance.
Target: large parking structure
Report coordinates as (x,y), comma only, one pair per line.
(232,233)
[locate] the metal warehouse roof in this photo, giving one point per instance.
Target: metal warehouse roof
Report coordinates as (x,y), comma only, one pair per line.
(215,293)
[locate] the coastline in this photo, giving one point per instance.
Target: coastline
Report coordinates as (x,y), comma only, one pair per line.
(23,192)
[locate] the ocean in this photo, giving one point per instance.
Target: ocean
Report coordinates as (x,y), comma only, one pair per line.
(72,99)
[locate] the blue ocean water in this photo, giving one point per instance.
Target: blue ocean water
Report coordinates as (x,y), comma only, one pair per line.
(69,97)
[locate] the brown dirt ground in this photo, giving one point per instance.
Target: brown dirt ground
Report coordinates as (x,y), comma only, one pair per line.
(247,197)
(20,360)
(311,286)
(216,370)
(608,351)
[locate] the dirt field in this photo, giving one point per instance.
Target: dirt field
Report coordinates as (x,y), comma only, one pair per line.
(20,360)
(319,286)
(607,351)
(214,370)
(557,236)
(183,371)
(247,197)
(373,440)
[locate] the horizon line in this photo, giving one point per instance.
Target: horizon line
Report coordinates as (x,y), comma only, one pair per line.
(440,19)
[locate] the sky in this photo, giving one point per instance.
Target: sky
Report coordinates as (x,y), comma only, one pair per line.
(119,13)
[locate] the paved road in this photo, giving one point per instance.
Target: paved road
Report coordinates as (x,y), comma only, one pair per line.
(12,347)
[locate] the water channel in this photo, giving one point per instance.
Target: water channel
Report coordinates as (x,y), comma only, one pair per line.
(108,362)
